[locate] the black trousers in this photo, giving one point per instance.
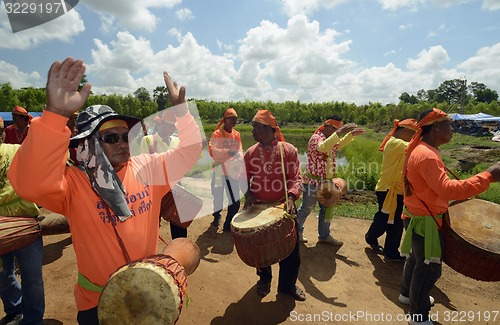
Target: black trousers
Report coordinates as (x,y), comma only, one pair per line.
(379,226)
(289,269)
(87,317)
(178,232)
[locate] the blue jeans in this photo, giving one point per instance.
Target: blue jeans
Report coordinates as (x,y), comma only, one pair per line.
(232,192)
(27,299)
(308,202)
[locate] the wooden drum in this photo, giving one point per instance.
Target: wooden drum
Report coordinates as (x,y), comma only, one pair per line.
(182,209)
(148,291)
(263,235)
(17,232)
(471,231)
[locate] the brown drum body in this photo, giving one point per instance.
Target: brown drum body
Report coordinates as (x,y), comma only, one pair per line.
(148,291)
(185,203)
(471,231)
(17,232)
(263,235)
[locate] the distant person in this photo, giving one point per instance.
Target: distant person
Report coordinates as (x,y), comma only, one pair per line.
(263,163)
(112,200)
(322,148)
(23,303)
(162,140)
(17,132)
(389,191)
(227,152)
(427,191)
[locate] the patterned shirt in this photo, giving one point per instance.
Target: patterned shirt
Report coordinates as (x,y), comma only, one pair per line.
(321,154)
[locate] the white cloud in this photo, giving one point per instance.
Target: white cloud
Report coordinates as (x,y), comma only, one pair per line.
(491,4)
(294,7)
(484,66)
(433,59)
(63,28)
(18,79)
(132,14)
(184,14)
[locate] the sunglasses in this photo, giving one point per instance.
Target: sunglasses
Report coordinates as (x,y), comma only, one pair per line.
(114,137)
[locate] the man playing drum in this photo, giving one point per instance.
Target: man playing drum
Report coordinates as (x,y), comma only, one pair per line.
(226,149)
(263,163)
(111,200)
(24,302)
(333,135)
(427,191)
(389,191)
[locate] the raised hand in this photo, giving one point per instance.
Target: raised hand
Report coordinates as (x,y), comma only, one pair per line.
(346,128)
(358,131)
(177,95)
(63,97)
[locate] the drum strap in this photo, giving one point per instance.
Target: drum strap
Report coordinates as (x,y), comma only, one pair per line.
(284,176)
(120,241)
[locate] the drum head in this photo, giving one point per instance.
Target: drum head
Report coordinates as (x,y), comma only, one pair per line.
(140,294)
(477,222)
(256,217)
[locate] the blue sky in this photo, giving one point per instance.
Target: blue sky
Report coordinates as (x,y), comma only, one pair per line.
(357,51)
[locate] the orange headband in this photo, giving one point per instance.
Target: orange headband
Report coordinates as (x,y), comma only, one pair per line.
(265,117)
(408,123)
(335,123)
(228,113)
(435,116)
(18,110)
(113,124)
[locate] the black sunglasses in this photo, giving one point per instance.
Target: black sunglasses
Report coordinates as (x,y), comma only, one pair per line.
(114,137)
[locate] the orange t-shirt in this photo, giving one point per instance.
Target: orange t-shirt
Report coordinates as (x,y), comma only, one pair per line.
(430,183)
(66,190)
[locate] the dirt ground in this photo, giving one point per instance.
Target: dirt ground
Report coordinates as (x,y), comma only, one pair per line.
(350,285)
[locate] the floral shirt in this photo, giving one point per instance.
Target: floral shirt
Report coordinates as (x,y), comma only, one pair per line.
(321,154)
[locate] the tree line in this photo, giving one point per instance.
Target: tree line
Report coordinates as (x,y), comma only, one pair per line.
(450,96)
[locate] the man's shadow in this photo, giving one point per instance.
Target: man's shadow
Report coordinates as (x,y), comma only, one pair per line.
(212,241)
(251,310)
(389,275)
(320,263)
(53,252)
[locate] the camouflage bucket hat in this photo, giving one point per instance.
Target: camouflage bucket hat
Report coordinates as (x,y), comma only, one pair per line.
(92,117)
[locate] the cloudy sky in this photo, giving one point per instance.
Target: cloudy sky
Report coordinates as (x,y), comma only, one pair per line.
(357,51)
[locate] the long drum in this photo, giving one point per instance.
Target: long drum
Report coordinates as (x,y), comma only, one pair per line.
(471,230)
(17,232)
(263,235)
(148,291)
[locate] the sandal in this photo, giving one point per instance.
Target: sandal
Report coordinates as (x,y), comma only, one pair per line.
(296,294)
(377,248)
(263,288)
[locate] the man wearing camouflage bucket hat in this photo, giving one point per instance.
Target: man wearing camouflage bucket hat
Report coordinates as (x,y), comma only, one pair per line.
(112,200)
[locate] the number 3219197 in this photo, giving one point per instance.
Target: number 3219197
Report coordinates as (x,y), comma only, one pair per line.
(33,8)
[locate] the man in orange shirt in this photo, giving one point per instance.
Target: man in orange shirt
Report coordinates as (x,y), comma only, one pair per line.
(427,191)
(266,184)
(112,200)
(226,149)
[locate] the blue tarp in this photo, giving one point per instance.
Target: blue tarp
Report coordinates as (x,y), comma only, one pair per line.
(7,116)
(479,117)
